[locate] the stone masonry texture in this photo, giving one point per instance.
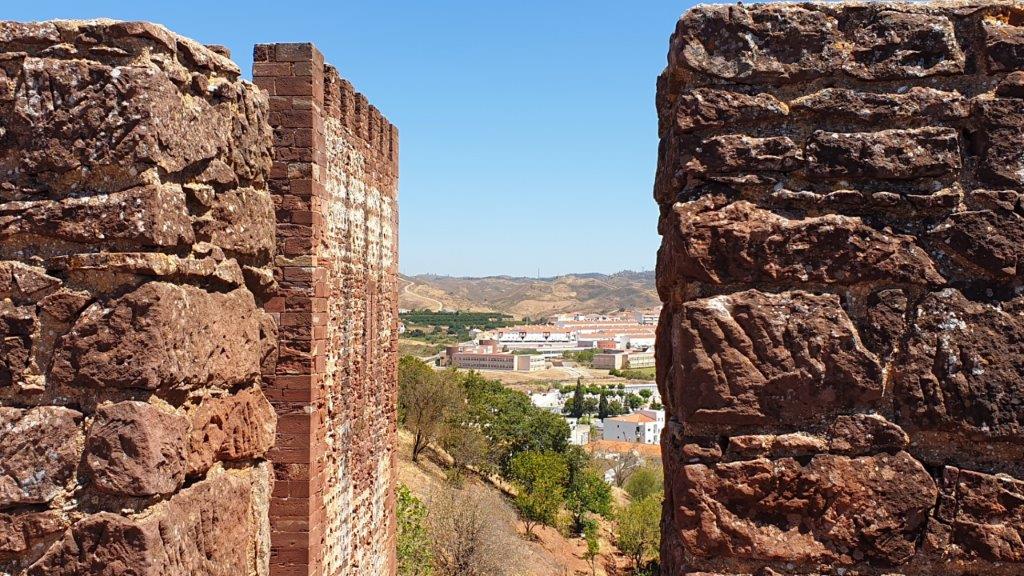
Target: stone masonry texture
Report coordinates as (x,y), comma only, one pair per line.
(197,309)
(137,238)
(334,186)
(841,349)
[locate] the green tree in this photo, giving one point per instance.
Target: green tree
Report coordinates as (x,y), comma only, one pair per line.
(646,393)
(590,405)
(414,545)
(634,401)
(615,408)
(593,545)
(540,479)
(425,401)
(467,446)
(577,400)
(585,490)
(587,494)
(510,421)
(639,530)
(645,481)
(602,407)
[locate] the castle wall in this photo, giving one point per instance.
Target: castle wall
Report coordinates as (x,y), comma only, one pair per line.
(137,238)
(334,183)
(840,350)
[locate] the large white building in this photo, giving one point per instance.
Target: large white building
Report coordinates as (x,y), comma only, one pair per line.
(642,426)
(623,360)
(543,338)
(472,360)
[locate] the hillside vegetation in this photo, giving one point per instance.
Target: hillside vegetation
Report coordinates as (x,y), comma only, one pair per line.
(531,297)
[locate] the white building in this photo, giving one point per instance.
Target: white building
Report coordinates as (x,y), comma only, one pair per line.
(642,426)
(498,361)
(550,401)
(622,360)
(648,316)
(543,338)
(579,435)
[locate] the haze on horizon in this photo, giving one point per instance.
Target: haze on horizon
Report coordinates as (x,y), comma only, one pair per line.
(528,130)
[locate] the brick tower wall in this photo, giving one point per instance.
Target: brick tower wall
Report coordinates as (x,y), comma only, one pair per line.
(334,183)
(137,239)
(841,349)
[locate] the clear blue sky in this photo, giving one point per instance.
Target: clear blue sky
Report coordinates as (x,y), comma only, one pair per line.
(528,131)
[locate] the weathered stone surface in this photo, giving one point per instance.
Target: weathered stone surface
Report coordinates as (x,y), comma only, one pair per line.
(136,449)
(21,532)
(209,528)
(756,44)
(961,369)
(768,360)
(137,238)
(1001,163)
(841,195)
(979,521)
(17,326)
(834,511)
(111,271)
(986,243)
(147,216)
(83,118)
(25,284)
(887,154)
(711,108)
(875,107)
(770,445)
(39,453)
(163,337)
(1012,86)
(739,153)
(861,434)
(241,221)
(896,45)
(1004,45)
(230,428)
(723,243)
(884,321)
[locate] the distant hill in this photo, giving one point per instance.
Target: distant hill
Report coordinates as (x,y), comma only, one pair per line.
(532,297)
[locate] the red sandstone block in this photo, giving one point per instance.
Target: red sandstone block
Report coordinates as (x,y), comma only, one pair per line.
(294,552)
(303,169)
(297,273)
(304,187)
(294,231)
(279,567)
(296,52)
(301,216)
(274,304)
(262,52)
(291,118)
(276,395)
(294,154)
(265,83)
(305,137)
(261,69)
(290,202)
(295,246)
(296,86)
(303,68)
(294,424)
(289,507)
(279,170)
